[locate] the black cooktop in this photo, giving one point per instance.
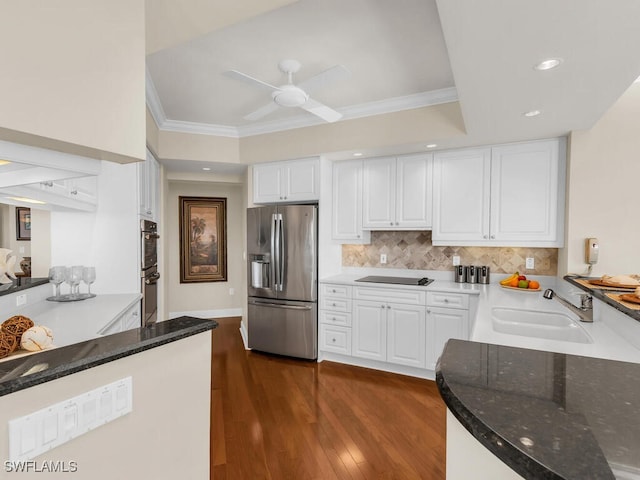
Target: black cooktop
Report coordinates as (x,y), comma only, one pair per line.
(397,280)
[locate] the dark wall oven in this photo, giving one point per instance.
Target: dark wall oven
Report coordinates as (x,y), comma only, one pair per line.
(149,271)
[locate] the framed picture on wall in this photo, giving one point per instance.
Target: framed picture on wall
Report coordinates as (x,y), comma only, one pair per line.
(23,223)
(203,239)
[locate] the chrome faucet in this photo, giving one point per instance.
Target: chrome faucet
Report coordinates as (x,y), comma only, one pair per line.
(584,311)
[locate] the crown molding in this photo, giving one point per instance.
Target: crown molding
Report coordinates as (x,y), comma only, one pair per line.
(390,105)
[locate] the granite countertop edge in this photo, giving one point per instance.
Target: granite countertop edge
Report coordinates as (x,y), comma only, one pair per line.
(513,457)
(179,328)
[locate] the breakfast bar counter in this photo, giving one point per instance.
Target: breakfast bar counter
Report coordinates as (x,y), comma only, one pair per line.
(544,414)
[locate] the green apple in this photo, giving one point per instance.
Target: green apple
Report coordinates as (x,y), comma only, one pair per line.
(523,284)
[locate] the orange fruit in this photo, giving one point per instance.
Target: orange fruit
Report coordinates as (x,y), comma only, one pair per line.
(514,282)
(533,284)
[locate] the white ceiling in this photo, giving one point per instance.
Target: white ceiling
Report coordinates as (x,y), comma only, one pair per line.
(408,53)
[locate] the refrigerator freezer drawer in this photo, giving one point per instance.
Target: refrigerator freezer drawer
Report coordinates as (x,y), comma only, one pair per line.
(283,328)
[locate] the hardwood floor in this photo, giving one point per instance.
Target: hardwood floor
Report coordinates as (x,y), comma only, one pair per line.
(278,418)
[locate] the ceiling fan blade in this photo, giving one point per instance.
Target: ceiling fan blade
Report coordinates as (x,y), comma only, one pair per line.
(262,112)
(243,77)
(321,110)
(333,74)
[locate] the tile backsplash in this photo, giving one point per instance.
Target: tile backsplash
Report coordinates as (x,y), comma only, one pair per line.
(414,250)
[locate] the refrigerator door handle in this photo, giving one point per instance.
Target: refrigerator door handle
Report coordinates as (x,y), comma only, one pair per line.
(281,253)
(275,271)
(280,305)
(276,233)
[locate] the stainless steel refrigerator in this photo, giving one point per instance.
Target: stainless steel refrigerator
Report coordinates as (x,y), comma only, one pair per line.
(282,254)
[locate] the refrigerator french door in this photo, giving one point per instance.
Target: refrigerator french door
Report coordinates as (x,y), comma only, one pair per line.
(282,276)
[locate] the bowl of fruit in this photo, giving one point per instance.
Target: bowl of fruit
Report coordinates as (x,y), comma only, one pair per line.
(520,282)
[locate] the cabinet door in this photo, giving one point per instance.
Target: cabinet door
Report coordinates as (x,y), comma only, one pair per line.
(406,338)
(461,182)
(347,203)
(443,324)
(267,183)
(524,192)
(369,330)
(84,189)
(148,187)
(379,193)
(414,192)
(302,181)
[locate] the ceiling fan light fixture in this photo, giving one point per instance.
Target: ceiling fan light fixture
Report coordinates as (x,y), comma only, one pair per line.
(532,113)
(290,96)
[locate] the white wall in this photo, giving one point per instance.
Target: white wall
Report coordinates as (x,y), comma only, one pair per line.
(74,77)
(40,242)
(8,235)
(207,299)
(166,436)
(603,172)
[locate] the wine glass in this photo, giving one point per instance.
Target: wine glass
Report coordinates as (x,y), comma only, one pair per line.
(57,276)
(73,278)
(88,277)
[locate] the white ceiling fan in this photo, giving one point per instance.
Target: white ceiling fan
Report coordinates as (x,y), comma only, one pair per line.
(290,95)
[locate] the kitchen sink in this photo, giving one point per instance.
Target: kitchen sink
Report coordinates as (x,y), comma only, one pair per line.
(540,324)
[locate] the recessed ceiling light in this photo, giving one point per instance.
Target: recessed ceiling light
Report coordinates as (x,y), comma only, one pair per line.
(4,162)
(432,145)
(357,154)
(532,113)
(548,64)
(206,168)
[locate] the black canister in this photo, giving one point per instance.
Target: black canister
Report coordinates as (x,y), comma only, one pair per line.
(460,273)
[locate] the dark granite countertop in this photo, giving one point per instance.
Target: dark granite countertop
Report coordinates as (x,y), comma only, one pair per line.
(21,283)
(27,371)
(546,415)
(600,294)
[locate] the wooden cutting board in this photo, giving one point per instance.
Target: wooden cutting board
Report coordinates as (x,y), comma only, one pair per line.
(629,298)
(602,283)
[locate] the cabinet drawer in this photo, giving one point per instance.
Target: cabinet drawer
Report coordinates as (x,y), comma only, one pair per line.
(336,304)
(335,339)
(408,297)
(333,290)
(450,300)
(335,318)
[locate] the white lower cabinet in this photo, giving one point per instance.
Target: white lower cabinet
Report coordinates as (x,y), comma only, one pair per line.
(406,339)
(397,327)
(370,330)
(447,317)
(129,319)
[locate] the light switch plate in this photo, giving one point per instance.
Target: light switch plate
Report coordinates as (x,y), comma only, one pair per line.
(456,260)
(530,263)
(383,258)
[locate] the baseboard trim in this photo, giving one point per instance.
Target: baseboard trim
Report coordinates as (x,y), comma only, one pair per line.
(375,365)
(245,336)
(223,312)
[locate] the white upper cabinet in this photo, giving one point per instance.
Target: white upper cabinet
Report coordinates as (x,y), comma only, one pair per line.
(509,195)
(291,181)
(149,188)
(397,193)
(347,203)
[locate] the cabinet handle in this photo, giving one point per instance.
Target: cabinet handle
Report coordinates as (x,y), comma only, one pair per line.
(397,223)
(148,212)
(73,192)
(493,236)
(334,304)
(381,306)
(446,300)
(358,236)
(333,318)
(333,339)
(485,236)
(333,290)
(388,307)
(47,184)
(391,223)
(428,311)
